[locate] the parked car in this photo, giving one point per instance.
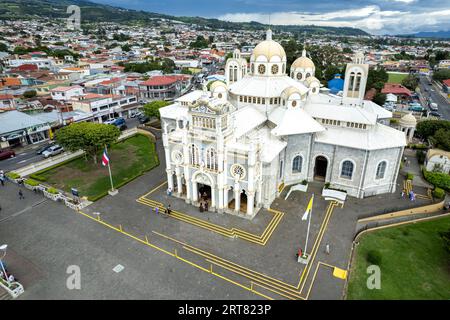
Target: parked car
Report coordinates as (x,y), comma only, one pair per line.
(53,151)
(143,119)
(6,154)
(435,114)
(416,108)
(44,148)
(433,106)
(118,122)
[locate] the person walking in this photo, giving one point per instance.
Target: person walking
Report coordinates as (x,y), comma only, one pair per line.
(206,205)
(402,194)
(2,177)
(156,210)
(327,248)
(201,206)
(21,196)
(168,210)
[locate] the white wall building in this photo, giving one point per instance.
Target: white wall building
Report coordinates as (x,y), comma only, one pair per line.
(243,141)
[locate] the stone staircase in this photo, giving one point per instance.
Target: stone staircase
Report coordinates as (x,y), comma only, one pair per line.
(4,295)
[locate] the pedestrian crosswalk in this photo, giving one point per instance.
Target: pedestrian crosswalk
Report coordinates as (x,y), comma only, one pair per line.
(4,295)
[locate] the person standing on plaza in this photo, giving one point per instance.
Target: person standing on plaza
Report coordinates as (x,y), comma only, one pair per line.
(327,248)
(21,196)
(168,210)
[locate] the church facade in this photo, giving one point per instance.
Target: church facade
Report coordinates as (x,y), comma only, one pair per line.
(238,144)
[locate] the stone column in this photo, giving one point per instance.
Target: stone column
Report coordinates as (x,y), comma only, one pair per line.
(194,191)
(225,197)
(237,197)
(179,184)
(213,197)
(250,202)
(220,204)
(169,178)
(410,134)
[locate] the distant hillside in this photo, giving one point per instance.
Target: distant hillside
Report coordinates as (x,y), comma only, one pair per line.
(93,12)
(435,34)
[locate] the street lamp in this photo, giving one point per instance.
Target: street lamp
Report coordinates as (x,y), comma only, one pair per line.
(3,248)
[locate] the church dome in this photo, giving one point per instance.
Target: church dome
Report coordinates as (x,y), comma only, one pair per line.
(303,62)
(408,120)
(269,49)
(216,84)
(289,91)
(311,79)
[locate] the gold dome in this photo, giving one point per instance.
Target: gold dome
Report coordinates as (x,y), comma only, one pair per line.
(269,49)
(290,91)
(311,79)
(216,84)
(303,62)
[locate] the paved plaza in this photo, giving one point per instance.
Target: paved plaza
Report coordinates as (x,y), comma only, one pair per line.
(189,255)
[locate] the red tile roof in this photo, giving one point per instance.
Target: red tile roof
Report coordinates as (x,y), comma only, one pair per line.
(446,82)
(396,88)
(162,80)
(6,96)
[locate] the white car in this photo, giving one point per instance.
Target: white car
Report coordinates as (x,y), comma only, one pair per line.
(53,151)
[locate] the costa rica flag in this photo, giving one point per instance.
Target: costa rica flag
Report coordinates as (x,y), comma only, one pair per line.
(105,158)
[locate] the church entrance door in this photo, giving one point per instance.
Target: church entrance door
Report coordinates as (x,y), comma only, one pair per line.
(204,194)
(320,168)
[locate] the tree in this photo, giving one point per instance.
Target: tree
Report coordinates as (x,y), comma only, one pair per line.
(3,47)
(411,82)
(442,139)
(376,76)
(29,94)
(151,109)
(441,75)
(87,136)
(428,128)
(379,98)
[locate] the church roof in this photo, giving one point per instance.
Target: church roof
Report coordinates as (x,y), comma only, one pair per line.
(246,119)
(377,137)
(293,121)
(265,86)
(340,113)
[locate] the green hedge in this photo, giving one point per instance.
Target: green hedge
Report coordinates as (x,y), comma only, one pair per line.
(13,175)
(438,179)
(409,176)
(32,182)
(38,177)
(52,190)
(438,193)
(420,156)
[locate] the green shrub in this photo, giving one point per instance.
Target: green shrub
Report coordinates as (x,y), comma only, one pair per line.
(438,179)
(52,190)
(374,257)
(304,182)
(38,177)
(409,176)
(420,156)
(438,193)
(327,185)
(13,175)
(32,182)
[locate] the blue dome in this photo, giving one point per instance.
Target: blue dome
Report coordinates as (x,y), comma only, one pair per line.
(337,84)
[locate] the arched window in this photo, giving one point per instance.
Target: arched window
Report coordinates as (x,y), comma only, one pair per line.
(297,164)
(347,169)
(211,159)
(194,155)
(235,73)
(357,81)
(299,76)
(351,84)
(308,75)
(381,170)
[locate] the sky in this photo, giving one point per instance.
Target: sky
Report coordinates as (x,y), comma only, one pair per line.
(373,16)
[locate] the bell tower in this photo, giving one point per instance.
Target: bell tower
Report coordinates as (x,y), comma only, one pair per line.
(236,68)
(355,80)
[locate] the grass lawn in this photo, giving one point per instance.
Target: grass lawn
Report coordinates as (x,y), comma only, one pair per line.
(414,263)
(396,77)
(128,159)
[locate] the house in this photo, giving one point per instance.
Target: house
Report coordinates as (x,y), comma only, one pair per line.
(7,102)
(397,89)
(66,93)
(167,87)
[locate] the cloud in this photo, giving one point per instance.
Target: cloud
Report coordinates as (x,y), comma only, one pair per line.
(370,18)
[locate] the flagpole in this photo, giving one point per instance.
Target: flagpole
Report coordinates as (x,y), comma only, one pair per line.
(109,169)
(309,224)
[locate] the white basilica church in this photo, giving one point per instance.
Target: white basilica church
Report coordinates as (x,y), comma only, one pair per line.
(241,142)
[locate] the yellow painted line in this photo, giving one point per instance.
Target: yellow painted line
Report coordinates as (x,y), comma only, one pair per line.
(231,233)
(174,255)
(340,273)
(319,264)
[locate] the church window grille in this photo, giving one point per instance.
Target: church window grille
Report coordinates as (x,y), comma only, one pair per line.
(381,170)
(219,96)
(299,76)
(294,104)
(297,164)
(258,100)
(241,99)
(271,100)
(308,75)
(275,69)
(211,159)
(261,69)
(347,169)
(194,155)
(263,100)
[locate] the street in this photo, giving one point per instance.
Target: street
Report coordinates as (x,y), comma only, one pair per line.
(27,155)
(432,91)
